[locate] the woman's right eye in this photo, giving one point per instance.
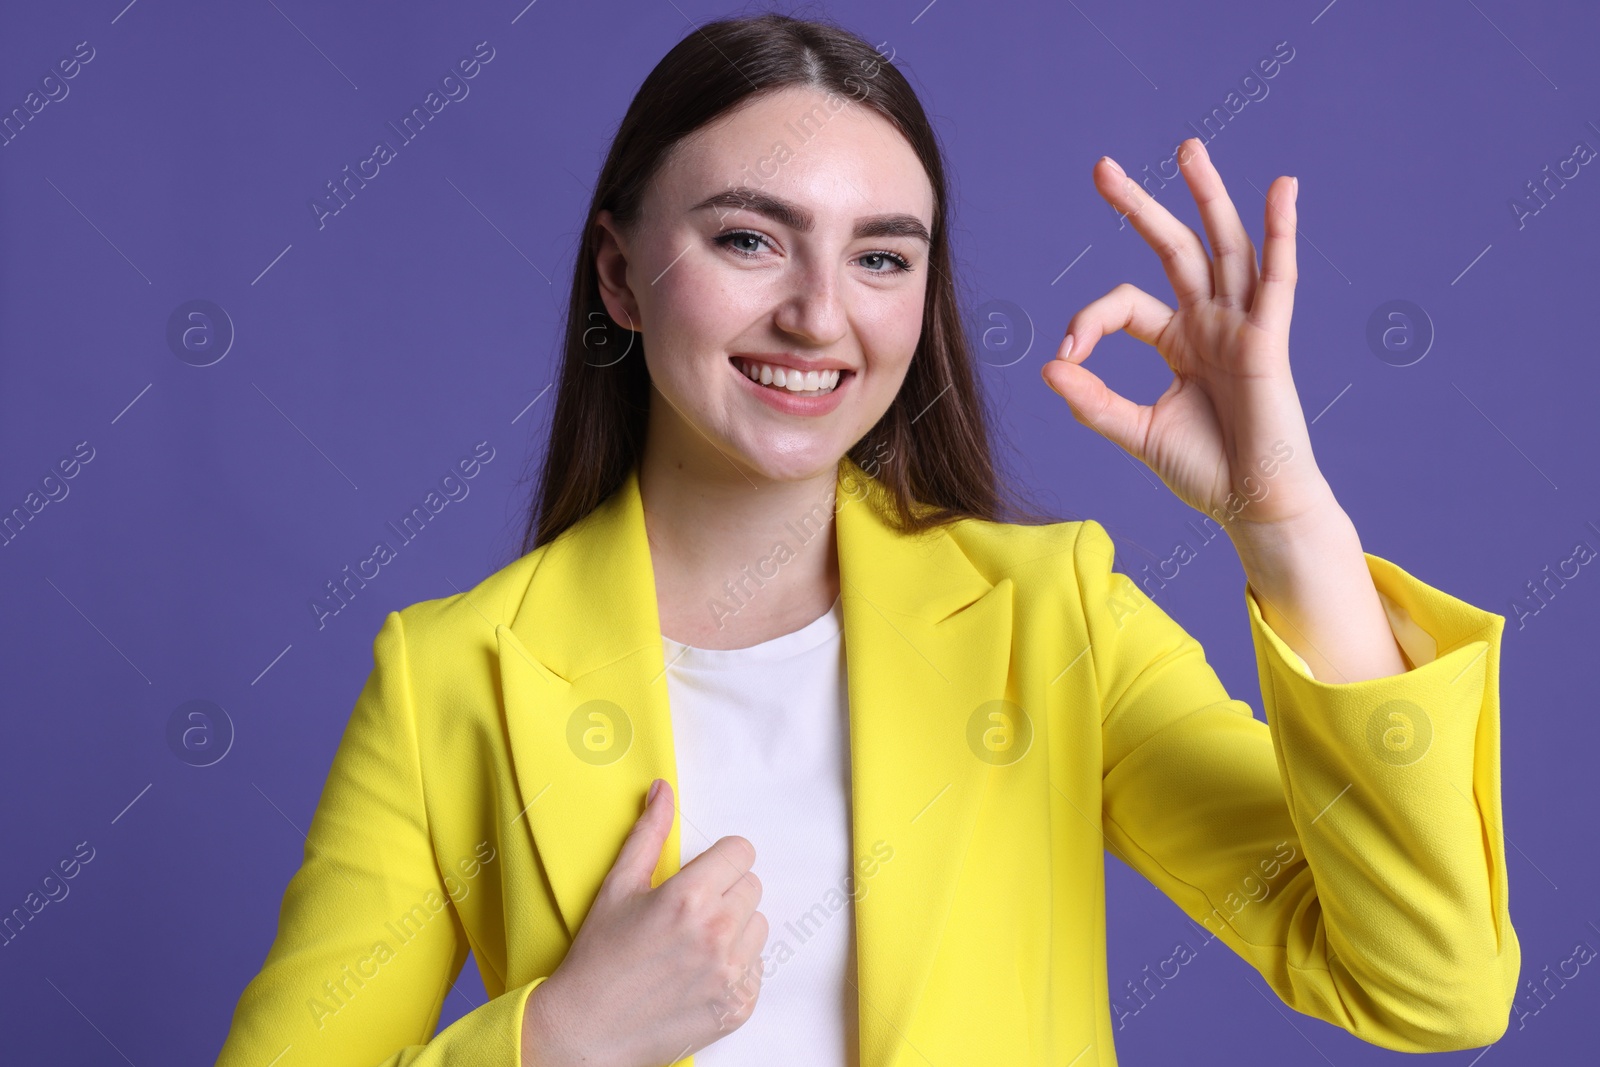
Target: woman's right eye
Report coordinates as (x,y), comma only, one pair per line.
(727,239)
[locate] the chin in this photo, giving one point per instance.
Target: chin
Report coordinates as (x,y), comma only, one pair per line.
(805,465)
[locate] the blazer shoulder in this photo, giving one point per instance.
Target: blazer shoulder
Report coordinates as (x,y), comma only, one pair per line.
(467,619)
(1030,554)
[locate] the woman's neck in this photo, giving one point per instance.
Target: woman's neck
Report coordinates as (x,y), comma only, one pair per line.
(738,559)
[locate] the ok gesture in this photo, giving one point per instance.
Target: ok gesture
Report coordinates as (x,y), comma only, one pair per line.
(1231,412)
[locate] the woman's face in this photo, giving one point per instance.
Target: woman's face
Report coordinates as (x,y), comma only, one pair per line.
(776,235)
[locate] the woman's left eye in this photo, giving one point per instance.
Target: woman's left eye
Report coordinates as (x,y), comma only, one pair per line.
(726,240)
(901,264)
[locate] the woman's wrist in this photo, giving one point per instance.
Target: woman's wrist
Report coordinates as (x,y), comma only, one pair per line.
(542,1035)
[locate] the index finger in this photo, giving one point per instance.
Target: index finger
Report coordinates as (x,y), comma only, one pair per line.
(1183,256)
(723,865)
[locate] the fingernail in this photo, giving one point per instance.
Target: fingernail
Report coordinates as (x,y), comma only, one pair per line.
(655,787)
(1066,349)
(1294,189)
(1114,166)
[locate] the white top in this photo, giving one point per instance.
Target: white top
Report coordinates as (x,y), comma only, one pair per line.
(762,742)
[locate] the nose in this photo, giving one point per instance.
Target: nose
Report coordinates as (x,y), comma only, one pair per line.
(813,308)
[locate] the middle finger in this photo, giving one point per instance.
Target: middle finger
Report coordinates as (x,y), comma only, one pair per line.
(1234,280)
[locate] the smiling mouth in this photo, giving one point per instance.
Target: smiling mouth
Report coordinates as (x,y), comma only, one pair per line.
(788,380)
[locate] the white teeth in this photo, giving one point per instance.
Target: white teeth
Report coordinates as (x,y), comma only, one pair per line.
(813,382)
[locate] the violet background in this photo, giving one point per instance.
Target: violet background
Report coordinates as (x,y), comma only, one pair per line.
(422,319)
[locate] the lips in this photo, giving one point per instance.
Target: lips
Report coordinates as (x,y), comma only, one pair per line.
(793,403)
(797,380)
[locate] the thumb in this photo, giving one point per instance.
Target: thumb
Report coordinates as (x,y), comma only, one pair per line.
(1094,404)
(636,861)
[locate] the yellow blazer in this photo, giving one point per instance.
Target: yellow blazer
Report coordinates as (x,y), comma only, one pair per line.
(1016,708)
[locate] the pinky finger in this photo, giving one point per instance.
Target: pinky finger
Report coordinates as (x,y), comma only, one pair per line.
(1274,300)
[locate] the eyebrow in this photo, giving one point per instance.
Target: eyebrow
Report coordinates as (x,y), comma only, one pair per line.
(798,218)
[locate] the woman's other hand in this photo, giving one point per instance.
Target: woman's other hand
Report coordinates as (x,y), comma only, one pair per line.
(654,974)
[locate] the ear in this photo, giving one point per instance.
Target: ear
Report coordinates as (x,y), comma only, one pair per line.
(611,267)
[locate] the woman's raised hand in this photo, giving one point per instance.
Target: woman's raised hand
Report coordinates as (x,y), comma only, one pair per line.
(1231,412)
(654,974)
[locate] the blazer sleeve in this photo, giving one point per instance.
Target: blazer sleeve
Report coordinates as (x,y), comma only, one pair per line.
(368,941)
(1350,848)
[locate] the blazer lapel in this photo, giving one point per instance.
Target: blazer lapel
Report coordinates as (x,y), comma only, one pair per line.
(927,645)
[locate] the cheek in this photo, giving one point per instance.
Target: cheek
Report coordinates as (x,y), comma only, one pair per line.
(891,332)
(692,303)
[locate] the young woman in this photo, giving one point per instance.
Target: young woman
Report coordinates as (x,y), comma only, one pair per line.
(770,590)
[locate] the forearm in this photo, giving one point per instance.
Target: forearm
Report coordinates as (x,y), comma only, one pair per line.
(1314,589)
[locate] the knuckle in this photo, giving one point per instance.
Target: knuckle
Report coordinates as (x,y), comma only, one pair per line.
(730,1006)
(740,987)
(684,900)
(737,1010)
(717,930)
(738,976)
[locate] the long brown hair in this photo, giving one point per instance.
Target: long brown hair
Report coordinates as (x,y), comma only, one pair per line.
(597,432)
